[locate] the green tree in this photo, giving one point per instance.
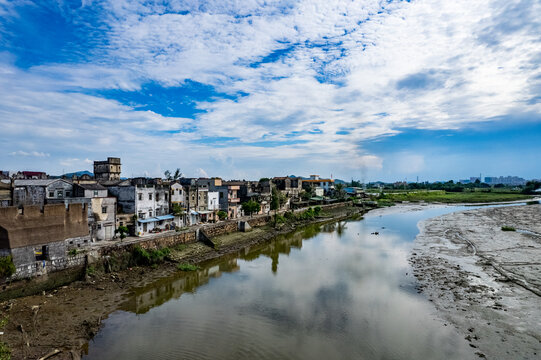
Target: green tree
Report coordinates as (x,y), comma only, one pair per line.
(339,191)
(222,215)
(177,210)
(122,231)
(177,175)
(167,175)
(251,207)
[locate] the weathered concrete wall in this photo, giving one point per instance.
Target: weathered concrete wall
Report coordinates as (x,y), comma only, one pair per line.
(58,258)
(126,196)
(34,227)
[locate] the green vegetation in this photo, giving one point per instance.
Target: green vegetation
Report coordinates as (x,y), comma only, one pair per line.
(72,252)
(90,270)
(222,215)
(508,228)
(187,267)
(123,231)
(180,247)
(531,186)
(251,207)
(5,352)
(149,257)
(309,214)
(177,175)
(7,268)
(534,202)
(452,197)
(177,210)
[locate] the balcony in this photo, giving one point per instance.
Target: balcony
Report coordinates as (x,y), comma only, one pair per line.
(233,200)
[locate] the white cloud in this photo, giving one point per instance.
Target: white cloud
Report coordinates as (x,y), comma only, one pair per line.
(353,72)
(29,153)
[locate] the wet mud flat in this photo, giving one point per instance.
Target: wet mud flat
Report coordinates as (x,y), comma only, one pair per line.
(66,318)
(483,280)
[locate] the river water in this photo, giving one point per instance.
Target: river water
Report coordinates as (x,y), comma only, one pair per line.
(335,291)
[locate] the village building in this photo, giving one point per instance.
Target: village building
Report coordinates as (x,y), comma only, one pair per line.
(103,208)
(109,169)
(147,201)
(316,181)
(40,192)
(30,175)
(229,198)
(5,193)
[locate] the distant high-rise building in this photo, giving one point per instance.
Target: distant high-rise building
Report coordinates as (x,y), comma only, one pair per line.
(505,180)
(107,170)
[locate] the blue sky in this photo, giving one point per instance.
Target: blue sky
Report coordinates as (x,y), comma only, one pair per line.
(371,90)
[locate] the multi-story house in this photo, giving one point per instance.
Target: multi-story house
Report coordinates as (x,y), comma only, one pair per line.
(316,181)
(40,192)
(147,200)
(229,198)
(102,221)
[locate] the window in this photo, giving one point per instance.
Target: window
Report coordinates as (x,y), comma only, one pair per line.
(51,194)
(165,197)
(221,195)
(150,196)
(150,213)
(68,193)
(140,196)
(99,226)
(95,192)
(104,209)
(59,193)
(157,197)
(141,215)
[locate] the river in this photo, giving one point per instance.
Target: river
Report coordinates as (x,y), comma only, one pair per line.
(335,291)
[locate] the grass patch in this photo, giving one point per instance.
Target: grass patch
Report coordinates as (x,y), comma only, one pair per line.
(508,228)
(7,268)
(187,267)
(5,351)
(180,247)
(454,197)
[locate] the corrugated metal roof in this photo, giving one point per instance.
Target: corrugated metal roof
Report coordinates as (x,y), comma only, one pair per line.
(165,217)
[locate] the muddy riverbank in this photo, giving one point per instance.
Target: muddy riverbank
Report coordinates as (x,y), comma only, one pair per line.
(485,281)
(66,318)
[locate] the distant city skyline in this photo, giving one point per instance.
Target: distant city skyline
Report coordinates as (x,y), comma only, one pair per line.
(367,90)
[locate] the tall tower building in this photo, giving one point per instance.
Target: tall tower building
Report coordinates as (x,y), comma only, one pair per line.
(107,170)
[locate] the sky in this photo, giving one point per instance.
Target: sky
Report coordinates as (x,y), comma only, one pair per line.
(368,90)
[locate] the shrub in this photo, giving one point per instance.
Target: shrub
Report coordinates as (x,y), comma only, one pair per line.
(222,215)
(7,268)
(150,257)
(187,267)
(289,215)
(72,252)
(508,228)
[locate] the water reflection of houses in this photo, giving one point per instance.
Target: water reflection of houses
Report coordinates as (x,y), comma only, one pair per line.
(169,288)
(282,245)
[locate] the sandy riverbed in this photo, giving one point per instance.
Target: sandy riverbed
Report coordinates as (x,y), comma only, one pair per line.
(485,281)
